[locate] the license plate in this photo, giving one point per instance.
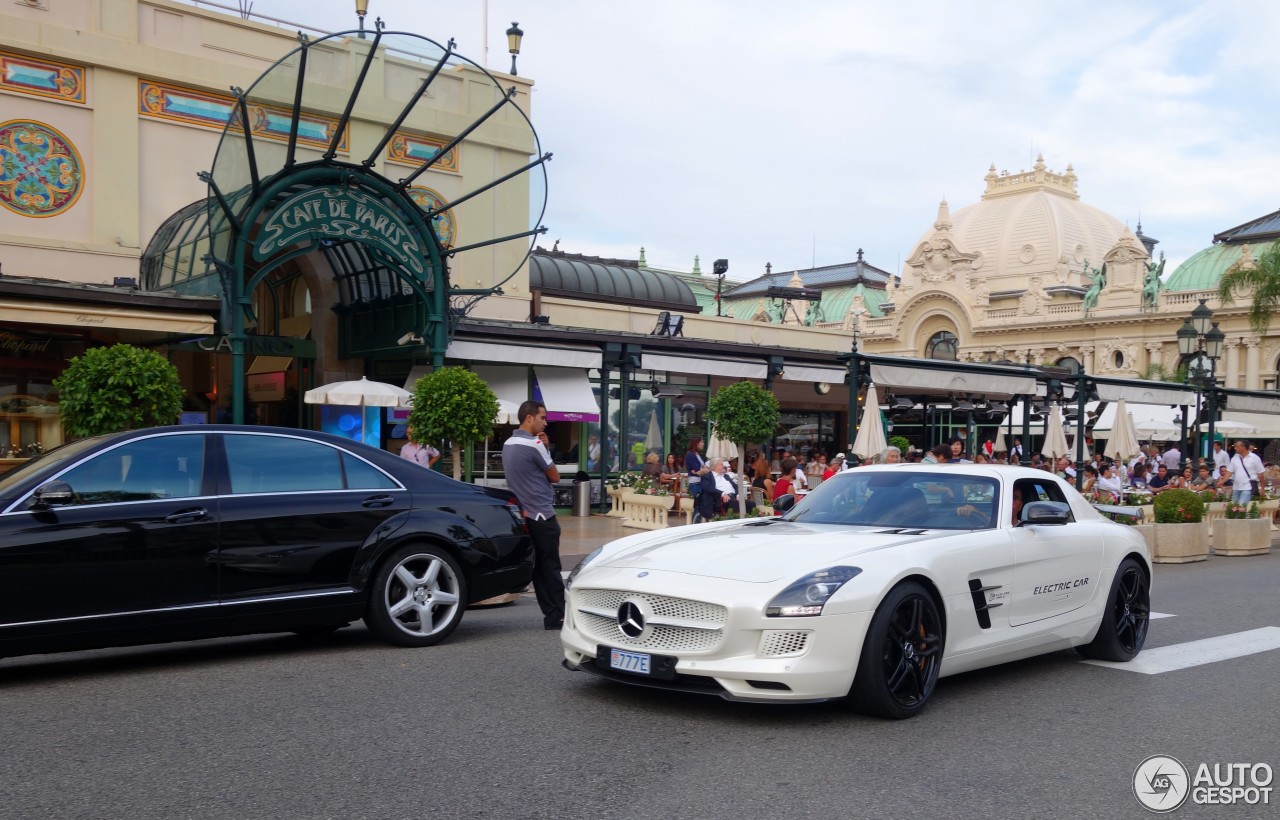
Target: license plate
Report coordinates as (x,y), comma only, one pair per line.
(634,662)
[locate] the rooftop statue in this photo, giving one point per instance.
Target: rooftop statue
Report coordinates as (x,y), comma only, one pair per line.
(1151,284)
(1099,282)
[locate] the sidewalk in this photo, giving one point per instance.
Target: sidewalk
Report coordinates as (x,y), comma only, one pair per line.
(580,535)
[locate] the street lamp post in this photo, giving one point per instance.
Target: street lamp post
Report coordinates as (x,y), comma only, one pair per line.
(1200,336)
(362,8)
(853,366)
(514,34)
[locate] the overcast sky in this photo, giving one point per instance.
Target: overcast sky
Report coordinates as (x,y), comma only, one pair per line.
(797,133)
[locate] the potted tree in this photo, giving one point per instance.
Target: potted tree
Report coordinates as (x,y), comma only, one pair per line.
(742,412)
(122,387)
(456,405)
(1242,531)
(1181,534)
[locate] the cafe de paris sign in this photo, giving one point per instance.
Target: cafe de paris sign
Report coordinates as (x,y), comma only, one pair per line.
(336,213)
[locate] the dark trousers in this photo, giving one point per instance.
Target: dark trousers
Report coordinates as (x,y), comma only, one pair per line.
(548,584)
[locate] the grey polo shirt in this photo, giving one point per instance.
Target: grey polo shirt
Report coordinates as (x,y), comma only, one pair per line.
(525,462)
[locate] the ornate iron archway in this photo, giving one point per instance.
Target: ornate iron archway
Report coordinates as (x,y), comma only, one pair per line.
(280,189)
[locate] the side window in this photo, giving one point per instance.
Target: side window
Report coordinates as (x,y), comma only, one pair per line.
(1041,491)
(361,476)
(274,464)
(143,470)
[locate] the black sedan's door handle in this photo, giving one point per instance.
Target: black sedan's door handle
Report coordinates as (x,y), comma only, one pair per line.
(378,501)
(187,516)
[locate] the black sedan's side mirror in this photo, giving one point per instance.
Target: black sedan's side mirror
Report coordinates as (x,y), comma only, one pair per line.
(1047,513)
(52,494)
(783,503)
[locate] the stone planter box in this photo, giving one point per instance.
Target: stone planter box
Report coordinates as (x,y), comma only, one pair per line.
(1242,536)
(1268,510)
(1180,543)
(1213,512)
(615,496)
(646,512)
(1148,533)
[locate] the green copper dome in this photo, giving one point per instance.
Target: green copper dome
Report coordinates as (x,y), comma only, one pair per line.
(1203,270)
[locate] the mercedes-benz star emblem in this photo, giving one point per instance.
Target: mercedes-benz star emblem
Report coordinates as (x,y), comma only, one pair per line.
(630,619)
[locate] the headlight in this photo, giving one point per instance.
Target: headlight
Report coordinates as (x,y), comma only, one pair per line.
(808,595)
(574,574)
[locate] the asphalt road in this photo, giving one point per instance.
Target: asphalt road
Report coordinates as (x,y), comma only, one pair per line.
(489,725)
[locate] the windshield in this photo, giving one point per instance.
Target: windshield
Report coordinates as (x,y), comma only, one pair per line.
(46,464)
(904,500)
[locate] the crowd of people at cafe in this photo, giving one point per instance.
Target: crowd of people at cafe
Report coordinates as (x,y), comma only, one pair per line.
(714,482)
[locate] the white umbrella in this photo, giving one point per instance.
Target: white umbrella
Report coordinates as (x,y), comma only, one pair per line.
(1122,445)
(998,446)
(653,438)
(1055,441)
(870,441)
(719,448)
(363,393)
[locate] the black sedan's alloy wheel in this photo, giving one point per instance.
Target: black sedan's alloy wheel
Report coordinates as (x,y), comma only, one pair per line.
(418,596)
(901,656)
(1123,631)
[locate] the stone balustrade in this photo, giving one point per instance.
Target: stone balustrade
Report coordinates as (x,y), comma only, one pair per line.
(645,512)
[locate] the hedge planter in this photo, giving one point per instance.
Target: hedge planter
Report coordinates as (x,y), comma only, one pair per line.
(1148,533)
(1242,536)
(1268,510)
(646,512)
(1214,512)
(615,498)
(1180,543)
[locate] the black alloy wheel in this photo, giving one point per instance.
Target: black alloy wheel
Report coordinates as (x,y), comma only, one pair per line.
(1123,630)
(901,655)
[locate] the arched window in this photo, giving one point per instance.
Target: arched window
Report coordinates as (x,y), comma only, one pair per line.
(942,345)
(1070,364)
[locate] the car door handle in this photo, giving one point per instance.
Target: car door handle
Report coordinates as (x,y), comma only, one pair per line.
(187,516)
(378,501)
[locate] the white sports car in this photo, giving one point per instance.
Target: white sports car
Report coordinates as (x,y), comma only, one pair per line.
(876,584)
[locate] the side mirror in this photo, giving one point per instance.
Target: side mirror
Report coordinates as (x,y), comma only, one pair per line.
(52,494)
(1046,513)
(783,503)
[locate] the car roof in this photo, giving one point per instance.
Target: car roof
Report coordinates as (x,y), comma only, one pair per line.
(1006,472)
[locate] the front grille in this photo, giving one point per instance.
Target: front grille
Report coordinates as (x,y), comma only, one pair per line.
(706,635)
(776,643)
(661,605)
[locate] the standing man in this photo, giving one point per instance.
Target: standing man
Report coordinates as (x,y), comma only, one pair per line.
(1015,452)
(422,454)
(1220,458)
(530,475)
(1173,458)
(1246,468)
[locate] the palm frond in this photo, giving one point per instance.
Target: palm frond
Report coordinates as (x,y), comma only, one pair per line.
(1262,283)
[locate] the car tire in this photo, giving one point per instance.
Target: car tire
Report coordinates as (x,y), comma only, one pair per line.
(417,596)
(901,655)
(1123,630)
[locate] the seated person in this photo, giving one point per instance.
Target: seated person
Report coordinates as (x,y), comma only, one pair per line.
(783,484)
(651,467)
(671,470)
(1109,483)
(1160,481)
(724,496)
(1202,480)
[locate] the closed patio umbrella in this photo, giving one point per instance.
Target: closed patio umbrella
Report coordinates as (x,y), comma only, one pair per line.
(1123,442)
(1055,440)
(870,441)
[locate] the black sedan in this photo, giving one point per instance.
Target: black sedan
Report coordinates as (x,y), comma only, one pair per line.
(176,533)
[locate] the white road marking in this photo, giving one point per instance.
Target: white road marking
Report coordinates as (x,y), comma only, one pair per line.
(1157,615)
(1196,653)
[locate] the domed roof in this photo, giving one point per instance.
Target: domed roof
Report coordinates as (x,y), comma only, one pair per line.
(1203,270)
(1027,224)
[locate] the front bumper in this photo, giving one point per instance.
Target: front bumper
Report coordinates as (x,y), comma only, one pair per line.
(752,657)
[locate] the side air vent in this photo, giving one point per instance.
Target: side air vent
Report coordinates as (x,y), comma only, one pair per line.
(980,605)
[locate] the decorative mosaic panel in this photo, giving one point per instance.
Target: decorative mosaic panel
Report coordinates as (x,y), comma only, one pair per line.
(41,173)
(42,78)
(169,102)
(446,227)
(413,149)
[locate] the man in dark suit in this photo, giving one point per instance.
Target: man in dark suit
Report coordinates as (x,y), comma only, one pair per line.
(719,493)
